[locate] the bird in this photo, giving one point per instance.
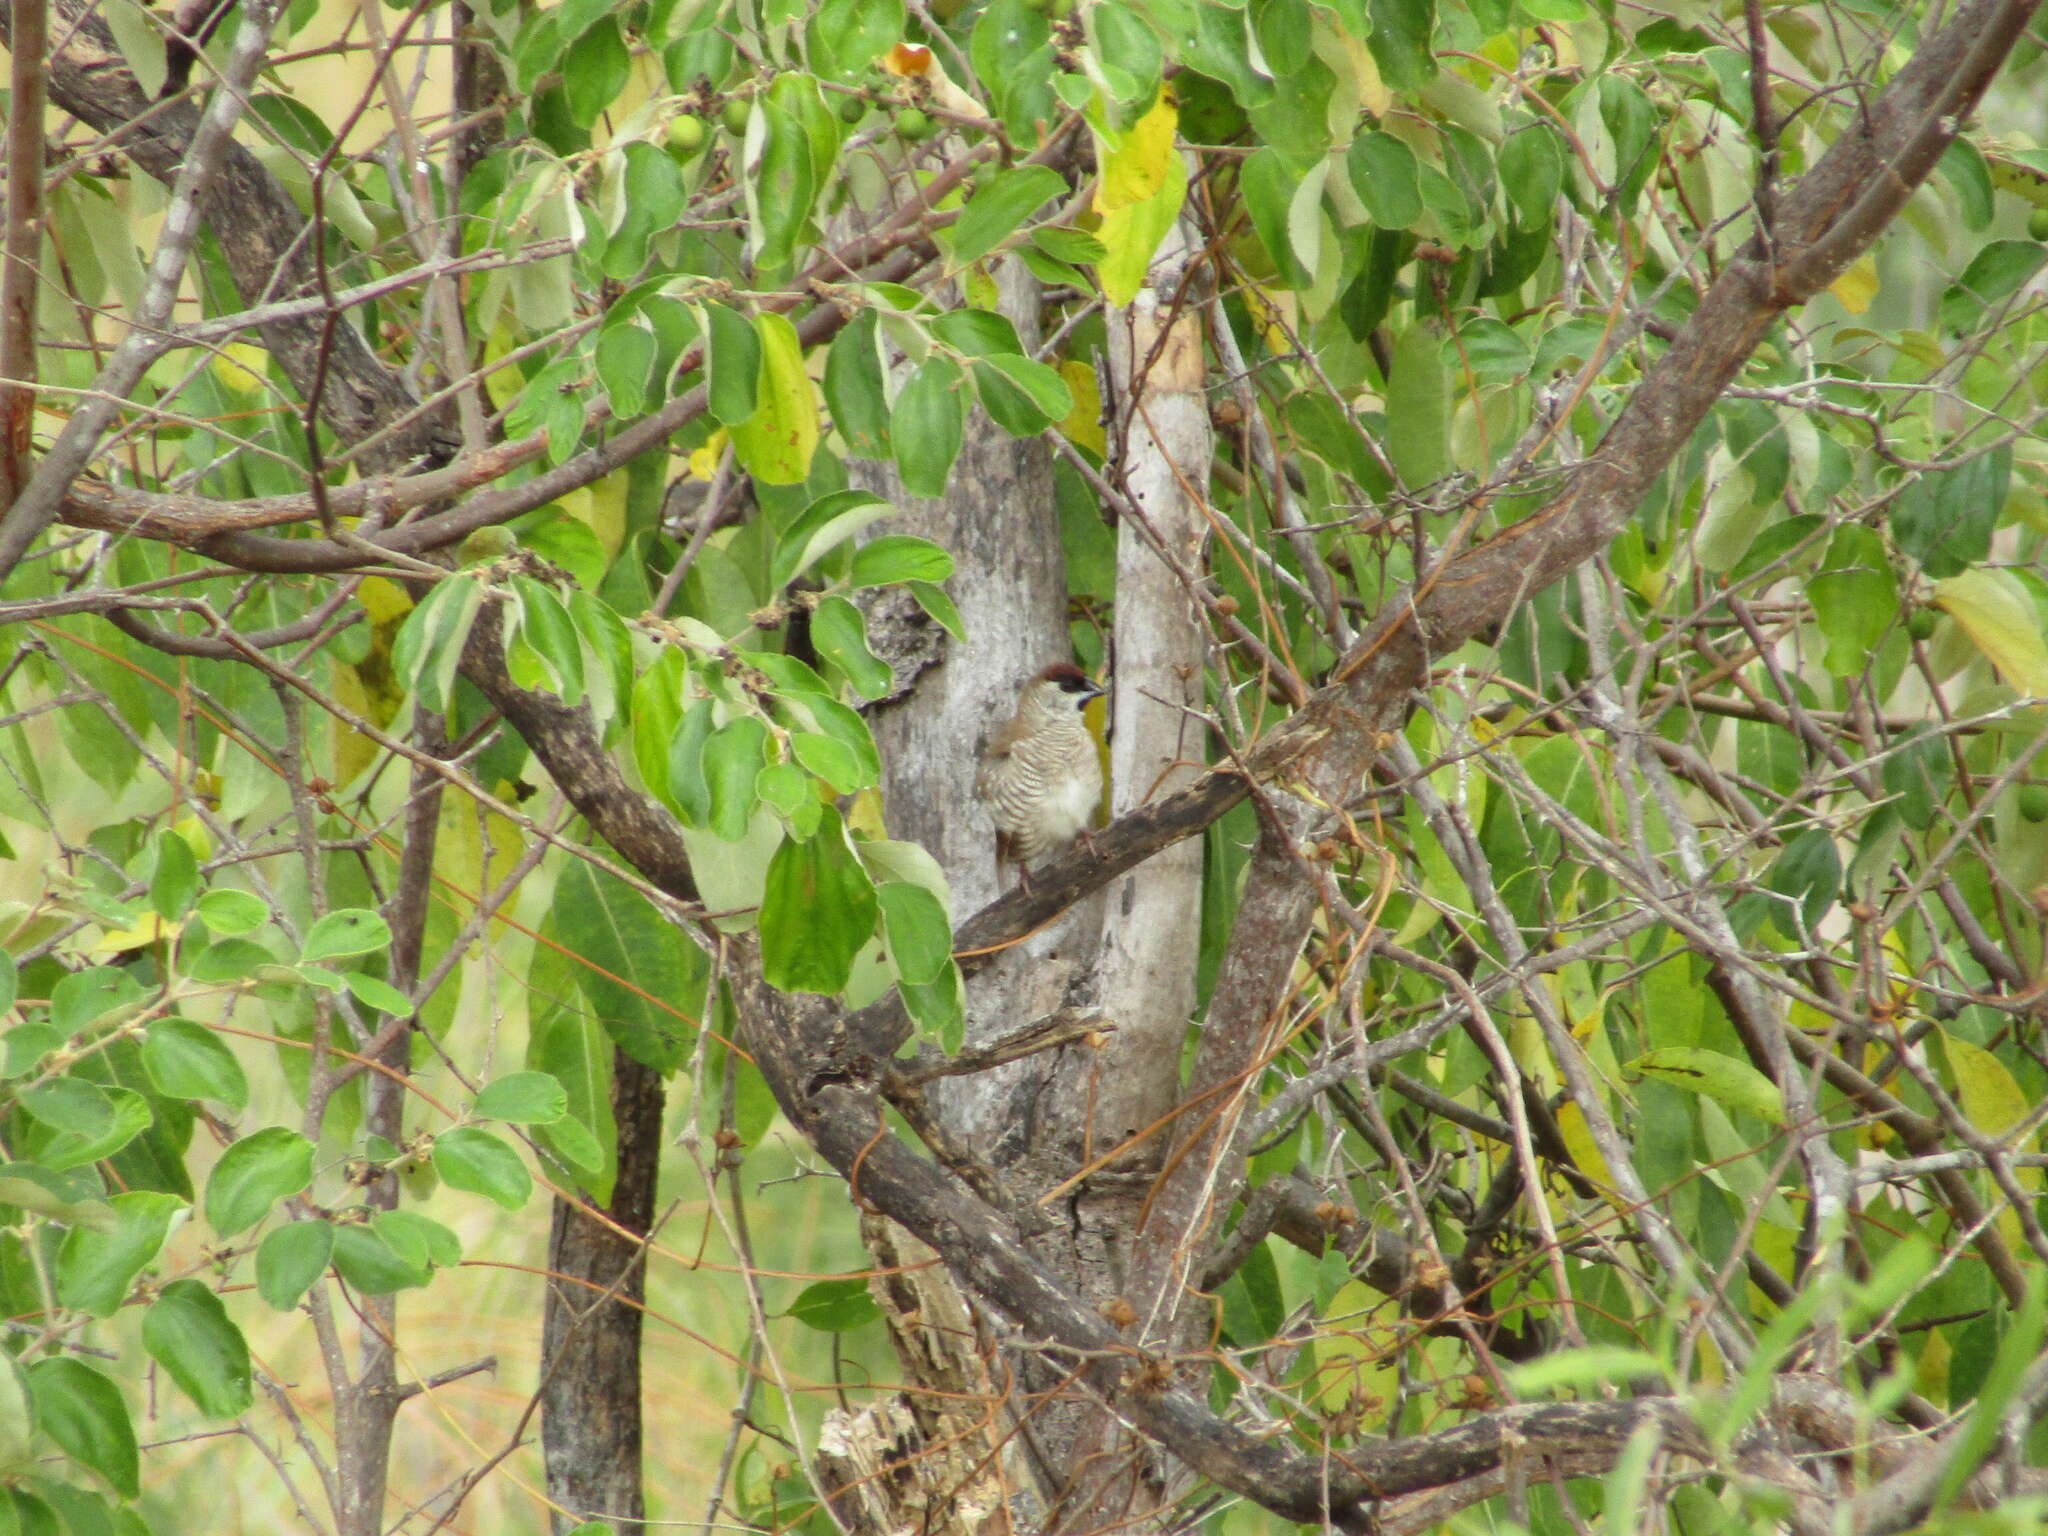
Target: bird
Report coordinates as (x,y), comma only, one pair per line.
(1040,773)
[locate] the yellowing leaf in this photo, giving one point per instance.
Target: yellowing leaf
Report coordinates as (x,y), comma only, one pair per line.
(1140,163)
(239,367)
(776,442)
(1857,286)
(1727,1080)
(1995,1103)
(383,599)
(1989,1093)
(703,462)
(1999,617)
(150,928)
(1083,424)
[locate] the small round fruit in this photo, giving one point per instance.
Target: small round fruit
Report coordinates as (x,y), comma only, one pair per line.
(914,126)
(735,114)
(2034,802)
(686,134)
(853,109)
(1920,623)
(2037,223)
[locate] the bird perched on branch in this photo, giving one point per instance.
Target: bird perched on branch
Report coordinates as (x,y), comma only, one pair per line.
(1040,772)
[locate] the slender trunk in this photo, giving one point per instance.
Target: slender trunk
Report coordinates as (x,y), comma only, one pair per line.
(591,1423)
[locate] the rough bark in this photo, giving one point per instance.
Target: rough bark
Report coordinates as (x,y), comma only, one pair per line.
(591,1328)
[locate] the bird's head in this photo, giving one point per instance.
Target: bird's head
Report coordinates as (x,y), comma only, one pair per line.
(1063,687)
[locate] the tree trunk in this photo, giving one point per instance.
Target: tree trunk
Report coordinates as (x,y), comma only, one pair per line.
(590,1332)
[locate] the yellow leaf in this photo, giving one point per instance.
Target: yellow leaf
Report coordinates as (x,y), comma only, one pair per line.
(1999,616)
(703,462)
(1995,1103)
(239,367)
(1989,1093)
(1857,286)
(776,442)
(1083,423)
(1139,164)
(150,928)
(383,599)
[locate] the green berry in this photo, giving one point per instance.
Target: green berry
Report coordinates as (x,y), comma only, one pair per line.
(2037,223)
(735,114)
(686,135)
(853,109)
(1920,623)
(2034,802)
(914,126)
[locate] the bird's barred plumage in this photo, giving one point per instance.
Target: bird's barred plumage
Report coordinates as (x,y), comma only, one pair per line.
(1040,775)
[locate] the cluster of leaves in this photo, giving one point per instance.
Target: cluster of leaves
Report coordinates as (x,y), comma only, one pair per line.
(687,220)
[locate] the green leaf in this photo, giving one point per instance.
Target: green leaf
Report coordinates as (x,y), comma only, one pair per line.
(775,444)
(927,426)
(821,528)
(993,214)
(255,1173)
(84,1414)
(17,1419)
(1382,171)
(479,1163)
(429,644)
(290,1259)
(374,993)
(232,912)
(131,1116)
(920,936)
(1531,172)
(1855,598)
(854,391)
(546,630)
(1808,873)
(641,978)
(83,998)
(522,1098)
(832,761)
(899,557)
(934,601)
(1944,518)
(835,1306)
(418,1240)
(840,635)
(1729,1081)
(1268,181)
(70,1104)
(939,1008)
(1419,408)
(734,351)
(175,881)
(1590,1366)
(594,71)
(188,1332)
(1400,41)
(817,911)
(346,931)
(187,1061)
(96,1269)
(732,761)
(780,188)
(366,1261)
(10,981)
(849,730)
(74,1200)
(846,37)
(573,1050)
(1020,396)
